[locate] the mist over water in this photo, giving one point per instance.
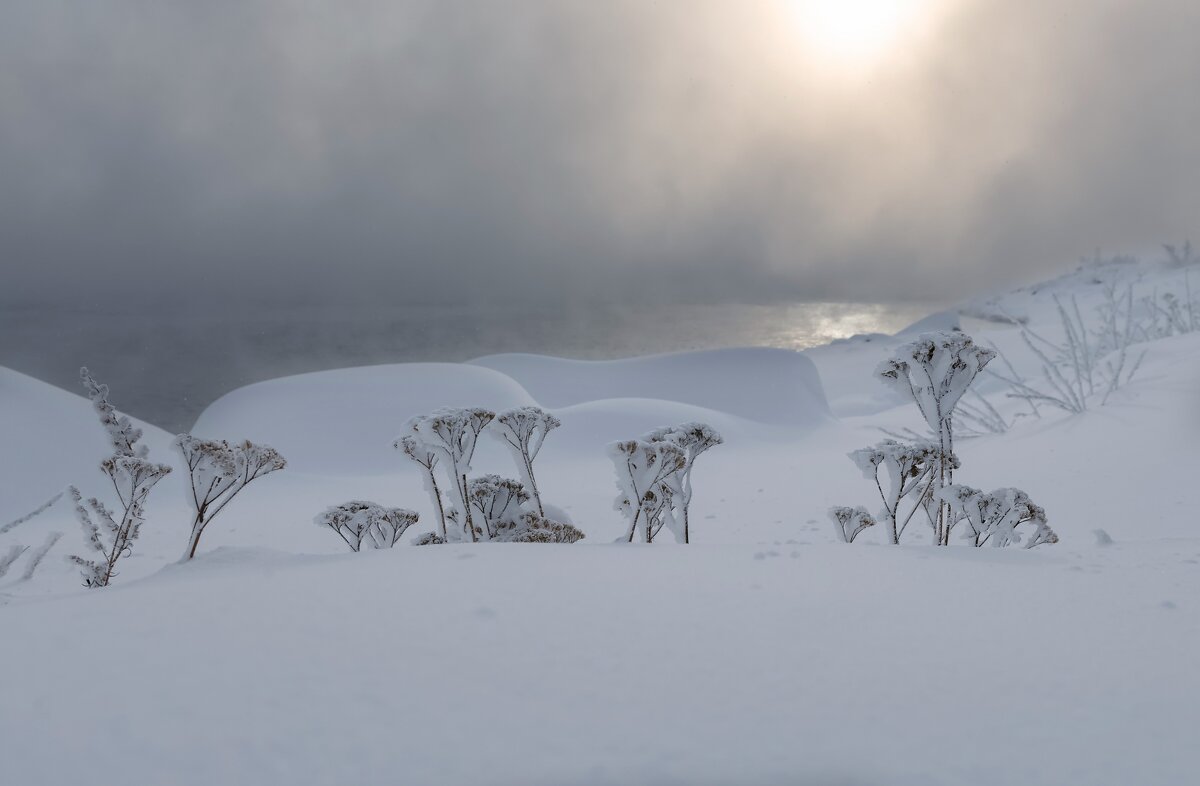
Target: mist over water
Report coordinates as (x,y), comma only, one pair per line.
(165,368)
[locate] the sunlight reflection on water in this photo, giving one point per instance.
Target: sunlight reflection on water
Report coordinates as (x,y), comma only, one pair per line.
(166,368)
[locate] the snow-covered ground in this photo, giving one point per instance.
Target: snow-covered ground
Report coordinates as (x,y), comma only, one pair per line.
(764,653)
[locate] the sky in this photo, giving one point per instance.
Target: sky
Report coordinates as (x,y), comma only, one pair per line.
(430,151)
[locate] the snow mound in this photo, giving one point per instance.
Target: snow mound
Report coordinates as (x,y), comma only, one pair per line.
(587,428)
(344,421)
(942,320)
(773,386)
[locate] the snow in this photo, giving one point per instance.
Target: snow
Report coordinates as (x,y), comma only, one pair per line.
(765,652)
(774,386)
(344,421)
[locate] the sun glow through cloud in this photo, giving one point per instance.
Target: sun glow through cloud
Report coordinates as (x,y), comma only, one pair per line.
(856,33)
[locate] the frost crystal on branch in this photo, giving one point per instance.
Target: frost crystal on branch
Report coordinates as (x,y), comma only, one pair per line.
(995,516)
(217,473)
(427,458)
(532,527)
(648,481)
(449,435)
(496,500)
(121,432)
(694,439)
(111,535)
(850,521)
(523,430)
(898,469)
(935,371)
(361,523)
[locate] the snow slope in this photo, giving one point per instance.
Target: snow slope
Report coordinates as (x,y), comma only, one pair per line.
(50,436)
(764,653)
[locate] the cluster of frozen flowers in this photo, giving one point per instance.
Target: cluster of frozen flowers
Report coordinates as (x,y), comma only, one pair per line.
(935,372)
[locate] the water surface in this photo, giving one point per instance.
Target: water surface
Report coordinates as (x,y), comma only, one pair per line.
(165,367)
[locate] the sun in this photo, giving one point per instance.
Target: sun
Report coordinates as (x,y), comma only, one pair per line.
(856,32)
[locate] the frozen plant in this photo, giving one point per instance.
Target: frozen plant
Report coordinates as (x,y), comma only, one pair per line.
(994,517)
(359,522)
(1169,315)
(427,458)
(1086,362)
(935,371)
(898,469)
(850,521)
(110,534)
(122,433)
(451,435)
(496,500)
(648,481)
(694,439)
(217,473)
(523,430)
(532,527)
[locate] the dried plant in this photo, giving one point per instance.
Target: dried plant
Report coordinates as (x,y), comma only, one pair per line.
(217,473)
(849,522)
(361,523)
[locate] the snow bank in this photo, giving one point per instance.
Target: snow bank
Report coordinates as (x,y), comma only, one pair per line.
(344,421)
(774,386)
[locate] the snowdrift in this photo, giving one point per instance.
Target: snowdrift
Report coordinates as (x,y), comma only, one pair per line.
(773,386)
(344,421)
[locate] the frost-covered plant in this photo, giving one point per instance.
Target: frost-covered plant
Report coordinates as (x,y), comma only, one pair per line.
(359,522)
(523,430)
(451,434)
(850,521)
(1087,362)
(121,432)
(1171,313)
(217,472)
(694,439)
(496,500)
(935,371)
(429,539)
(427,458)
(110,536)
(648,481)
(111,533)
(532,527)
(898,469)
(994,517)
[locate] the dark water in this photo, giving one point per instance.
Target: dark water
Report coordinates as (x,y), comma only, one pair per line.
(165,368)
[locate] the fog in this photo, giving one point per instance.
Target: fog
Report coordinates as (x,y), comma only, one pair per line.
(365,153)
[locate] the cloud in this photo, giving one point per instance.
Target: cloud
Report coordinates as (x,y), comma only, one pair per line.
(417,151)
